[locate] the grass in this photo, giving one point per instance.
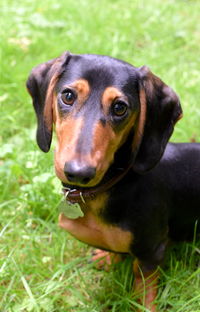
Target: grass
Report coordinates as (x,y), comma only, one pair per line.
(41,267)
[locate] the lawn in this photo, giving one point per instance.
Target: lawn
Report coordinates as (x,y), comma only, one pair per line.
(41,267)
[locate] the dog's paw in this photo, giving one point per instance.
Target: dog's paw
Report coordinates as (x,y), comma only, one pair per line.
(105,259)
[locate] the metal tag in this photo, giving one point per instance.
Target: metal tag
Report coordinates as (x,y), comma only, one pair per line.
(71,211)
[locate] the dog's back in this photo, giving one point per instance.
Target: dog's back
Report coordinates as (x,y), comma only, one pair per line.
(181,163)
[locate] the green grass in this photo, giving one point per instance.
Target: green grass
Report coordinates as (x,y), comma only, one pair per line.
(41,267)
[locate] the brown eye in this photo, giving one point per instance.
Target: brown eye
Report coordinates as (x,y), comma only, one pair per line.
(119,108)
(68,97)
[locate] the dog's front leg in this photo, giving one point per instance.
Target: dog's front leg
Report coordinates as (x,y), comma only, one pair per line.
(86,229)
(145,285)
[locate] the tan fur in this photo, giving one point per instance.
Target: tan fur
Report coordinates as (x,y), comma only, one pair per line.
(105,140)
(67,131)
(109,95)
(91,230)
(141,121)
(82,88)
(49,103)
(145,286)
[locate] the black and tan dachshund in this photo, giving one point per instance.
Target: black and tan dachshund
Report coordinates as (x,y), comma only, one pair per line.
(113,122)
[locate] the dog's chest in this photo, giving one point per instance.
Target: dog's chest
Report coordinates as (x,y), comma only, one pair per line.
(91,229)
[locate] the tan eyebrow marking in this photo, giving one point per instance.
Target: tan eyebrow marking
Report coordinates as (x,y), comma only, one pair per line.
(83,89)
(109,95)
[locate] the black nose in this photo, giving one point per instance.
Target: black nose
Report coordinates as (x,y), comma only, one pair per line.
(78,173)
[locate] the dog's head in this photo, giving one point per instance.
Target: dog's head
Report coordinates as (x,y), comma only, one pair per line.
(96,104)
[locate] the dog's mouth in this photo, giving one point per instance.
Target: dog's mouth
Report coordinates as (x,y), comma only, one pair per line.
(107,176)
(77,194)
(118,169)
(113,172)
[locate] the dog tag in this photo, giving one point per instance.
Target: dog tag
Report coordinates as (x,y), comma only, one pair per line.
(71,211)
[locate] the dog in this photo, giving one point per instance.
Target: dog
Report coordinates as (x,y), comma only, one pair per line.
(135,190)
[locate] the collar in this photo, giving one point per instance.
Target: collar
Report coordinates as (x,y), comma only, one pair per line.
(81,195)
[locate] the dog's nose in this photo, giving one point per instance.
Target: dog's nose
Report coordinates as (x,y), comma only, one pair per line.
(79,173)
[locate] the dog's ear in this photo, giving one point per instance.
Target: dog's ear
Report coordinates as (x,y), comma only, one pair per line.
(161,109)
(41,84)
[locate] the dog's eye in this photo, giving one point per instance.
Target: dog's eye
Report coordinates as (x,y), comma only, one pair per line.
(119,108)
(68,97)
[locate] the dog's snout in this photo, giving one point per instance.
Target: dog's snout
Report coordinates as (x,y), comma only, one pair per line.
(77,173)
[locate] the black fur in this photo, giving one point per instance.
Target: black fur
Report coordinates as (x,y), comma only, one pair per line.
(160,196)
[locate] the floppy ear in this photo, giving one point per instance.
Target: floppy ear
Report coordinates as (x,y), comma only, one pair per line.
(41,84)
(162,110)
